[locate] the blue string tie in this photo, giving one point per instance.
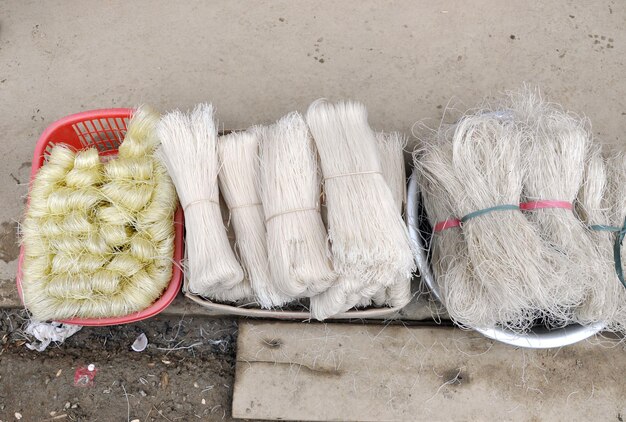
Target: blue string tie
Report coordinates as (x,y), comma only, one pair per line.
(620,233)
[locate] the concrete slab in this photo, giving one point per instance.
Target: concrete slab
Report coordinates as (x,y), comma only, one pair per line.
(258,60)
(339,372)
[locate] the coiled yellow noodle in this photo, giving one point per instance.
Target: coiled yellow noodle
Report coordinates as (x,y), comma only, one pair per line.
(135,169)
(67,263)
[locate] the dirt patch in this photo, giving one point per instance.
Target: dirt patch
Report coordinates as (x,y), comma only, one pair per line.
(185,373)
(9,247)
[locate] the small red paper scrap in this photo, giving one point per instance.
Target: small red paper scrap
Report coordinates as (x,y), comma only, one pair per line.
(83,377)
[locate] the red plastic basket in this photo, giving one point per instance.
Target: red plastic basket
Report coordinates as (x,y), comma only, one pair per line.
(105,129)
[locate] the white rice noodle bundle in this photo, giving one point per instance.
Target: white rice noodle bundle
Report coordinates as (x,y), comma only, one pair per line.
(616,199)
(297,244)
(595,209)
(555,150)
(468,301)
(509,257)
(189,151)
(238,180)
(615,203)
(242,292)
(369,239)
(391,151)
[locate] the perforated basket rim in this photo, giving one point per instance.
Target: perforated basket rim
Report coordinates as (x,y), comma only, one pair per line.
(173,287)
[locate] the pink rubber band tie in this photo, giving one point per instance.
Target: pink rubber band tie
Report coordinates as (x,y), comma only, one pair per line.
(539,205)
(524,206)
(447,224)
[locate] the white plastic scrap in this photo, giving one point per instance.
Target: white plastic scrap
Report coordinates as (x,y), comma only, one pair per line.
(47,332)
(140,344)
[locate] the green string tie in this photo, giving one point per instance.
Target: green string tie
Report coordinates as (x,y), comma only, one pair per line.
(620,233)
(478,213)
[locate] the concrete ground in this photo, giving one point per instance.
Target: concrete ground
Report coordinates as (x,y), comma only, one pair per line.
(406,60)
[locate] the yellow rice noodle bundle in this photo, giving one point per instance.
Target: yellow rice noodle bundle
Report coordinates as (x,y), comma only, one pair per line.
(99,237)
